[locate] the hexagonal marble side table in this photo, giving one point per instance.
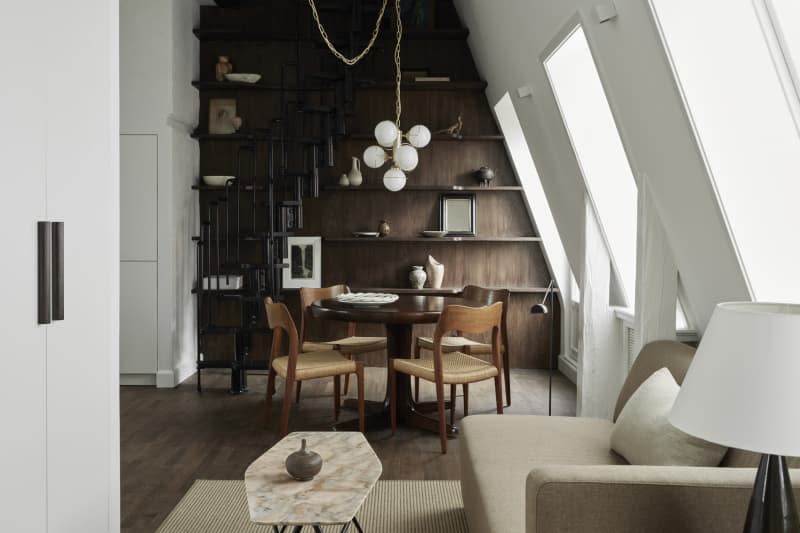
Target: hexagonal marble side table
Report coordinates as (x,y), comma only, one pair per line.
(349,471)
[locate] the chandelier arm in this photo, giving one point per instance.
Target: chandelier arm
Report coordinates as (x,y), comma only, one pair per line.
(347,60)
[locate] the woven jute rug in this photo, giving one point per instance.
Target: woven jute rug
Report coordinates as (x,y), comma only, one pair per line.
(212,506)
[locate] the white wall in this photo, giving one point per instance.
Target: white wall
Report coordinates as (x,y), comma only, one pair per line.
(159,59)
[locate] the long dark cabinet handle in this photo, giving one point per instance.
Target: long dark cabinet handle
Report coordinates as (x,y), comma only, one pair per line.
(50,246)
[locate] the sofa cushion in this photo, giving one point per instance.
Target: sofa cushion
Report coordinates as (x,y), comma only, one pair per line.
(644,436)
(498,452)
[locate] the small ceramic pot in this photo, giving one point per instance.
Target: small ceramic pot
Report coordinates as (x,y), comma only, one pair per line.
(237,123)
(343,181)
(223,67)
(485,176)
(417,276)
(384,229)
(303,464)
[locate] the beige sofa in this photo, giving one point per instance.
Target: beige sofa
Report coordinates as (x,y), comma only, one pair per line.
(557,474)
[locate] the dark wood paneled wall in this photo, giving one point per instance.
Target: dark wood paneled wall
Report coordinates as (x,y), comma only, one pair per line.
(256,40)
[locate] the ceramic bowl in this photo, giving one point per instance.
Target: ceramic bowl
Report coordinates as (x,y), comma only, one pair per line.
(433,233)
(217,181)
(243,77)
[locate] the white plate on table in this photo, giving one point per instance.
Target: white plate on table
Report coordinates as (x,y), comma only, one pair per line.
(365,233)
(367,298)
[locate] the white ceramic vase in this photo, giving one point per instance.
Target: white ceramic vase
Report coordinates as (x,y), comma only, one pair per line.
(354,176)
(417,277)
(435,272)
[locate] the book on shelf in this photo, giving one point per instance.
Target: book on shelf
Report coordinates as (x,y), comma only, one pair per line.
(431,78)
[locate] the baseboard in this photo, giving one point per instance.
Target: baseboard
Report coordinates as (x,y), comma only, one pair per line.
(184,372)
(165,379)
(568,368)
(140,380)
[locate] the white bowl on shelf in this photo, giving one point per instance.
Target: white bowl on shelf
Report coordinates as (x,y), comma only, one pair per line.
(434,233)
(217,181)
(243,77)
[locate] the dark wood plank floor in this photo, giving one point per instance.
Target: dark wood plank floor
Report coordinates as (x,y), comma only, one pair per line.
(172,437)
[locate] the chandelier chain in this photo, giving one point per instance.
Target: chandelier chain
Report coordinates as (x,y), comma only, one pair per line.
(398,73)
(347,60)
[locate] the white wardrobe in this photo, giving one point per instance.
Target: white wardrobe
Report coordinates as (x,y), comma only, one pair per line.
(59,410)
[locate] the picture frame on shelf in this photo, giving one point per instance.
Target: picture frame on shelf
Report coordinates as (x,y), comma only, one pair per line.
(305,263)
(221,115)
(458,214)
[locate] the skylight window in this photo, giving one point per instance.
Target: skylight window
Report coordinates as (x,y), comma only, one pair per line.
(599,150)
(741,111)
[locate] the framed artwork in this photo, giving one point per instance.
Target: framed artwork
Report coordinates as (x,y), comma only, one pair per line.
(221,114)
(457,214)
(305,263)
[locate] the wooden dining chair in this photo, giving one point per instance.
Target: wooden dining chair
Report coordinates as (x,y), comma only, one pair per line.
(460,343)
(298,367)
(347,346)
(454,367)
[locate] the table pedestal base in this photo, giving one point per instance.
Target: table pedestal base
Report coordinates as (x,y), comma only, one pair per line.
(317,529)
(398,344)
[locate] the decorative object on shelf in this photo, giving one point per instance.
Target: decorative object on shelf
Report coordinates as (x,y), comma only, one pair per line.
(435,272)
(223,67)
(305,263)
(221,112)
(354,177)
(303,464)
(409,75)
(367,298)
(217,181)
(484,175)
(453,131)
(543,308)
(243,77)
(343,180)
(366,234)
(457,214)
(223,282)
(384,229)
(740,391)
(237,123)
(417,276)
(433,233)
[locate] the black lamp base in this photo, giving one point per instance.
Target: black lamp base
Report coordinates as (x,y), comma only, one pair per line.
(772,507)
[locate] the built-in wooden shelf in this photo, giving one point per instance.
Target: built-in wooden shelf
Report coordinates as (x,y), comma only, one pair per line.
(436,138)
(249,136)
(432,188)
(234,34)
(397,240)
(204,187)
(447,291)
(477,85)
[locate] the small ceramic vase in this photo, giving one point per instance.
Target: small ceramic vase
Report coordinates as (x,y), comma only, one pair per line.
(384,229)
(417,277)
(343,181)
(303,464)
(223,67)
(485,176)
(435,272)
(237,123)
(354,176)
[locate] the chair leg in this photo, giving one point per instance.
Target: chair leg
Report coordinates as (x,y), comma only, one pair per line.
(465,388)
(452,404)
(507,374)
(417,349)
(270,392)
(393,395)
(360,385)
(337,383)
(498,393)
(347,377)
(297,397)
(287,406)
(442,420)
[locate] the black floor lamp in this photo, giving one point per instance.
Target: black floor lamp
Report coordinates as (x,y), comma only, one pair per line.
(548,309)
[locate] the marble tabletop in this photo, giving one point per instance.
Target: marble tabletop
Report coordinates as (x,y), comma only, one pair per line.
(349,471)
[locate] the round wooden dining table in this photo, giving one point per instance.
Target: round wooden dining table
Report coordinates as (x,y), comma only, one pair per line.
(399,318)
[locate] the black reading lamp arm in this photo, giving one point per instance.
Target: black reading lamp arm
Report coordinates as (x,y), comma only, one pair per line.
(542,309)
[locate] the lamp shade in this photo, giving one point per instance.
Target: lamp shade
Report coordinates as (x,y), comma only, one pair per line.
(394,179)
(743,387)
(406,157)
(374,157)
(385,133)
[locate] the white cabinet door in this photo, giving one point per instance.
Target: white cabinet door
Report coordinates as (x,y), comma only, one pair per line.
(138,318)
(138,197)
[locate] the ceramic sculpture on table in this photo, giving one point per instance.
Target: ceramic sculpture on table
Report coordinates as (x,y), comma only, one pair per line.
(303,464)
(417,277)
(435,272)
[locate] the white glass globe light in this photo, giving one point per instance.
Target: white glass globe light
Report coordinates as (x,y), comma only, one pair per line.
(419,136)
(394,179)
(406,157)
(385,133)
(374,157)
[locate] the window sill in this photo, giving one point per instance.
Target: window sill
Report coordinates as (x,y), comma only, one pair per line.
(626,314)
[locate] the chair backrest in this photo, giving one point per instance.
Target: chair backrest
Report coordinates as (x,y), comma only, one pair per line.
(488,297)
(280,322)
(308,296)
(470,320)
